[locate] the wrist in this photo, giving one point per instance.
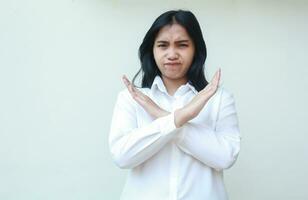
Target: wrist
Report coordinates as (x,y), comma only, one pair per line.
(181,117)
(161,113)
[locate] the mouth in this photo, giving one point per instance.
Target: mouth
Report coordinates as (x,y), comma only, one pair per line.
(173,64)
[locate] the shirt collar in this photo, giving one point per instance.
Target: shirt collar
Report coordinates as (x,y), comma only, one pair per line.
(159,84)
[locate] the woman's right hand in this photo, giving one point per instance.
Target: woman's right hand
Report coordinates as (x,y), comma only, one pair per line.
(193,108)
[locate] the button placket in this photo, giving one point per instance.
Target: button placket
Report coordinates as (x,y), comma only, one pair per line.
(173,175)
(176,103)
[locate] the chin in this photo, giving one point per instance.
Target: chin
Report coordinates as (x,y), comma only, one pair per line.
(173,76)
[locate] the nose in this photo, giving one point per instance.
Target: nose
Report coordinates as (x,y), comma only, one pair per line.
(172,54)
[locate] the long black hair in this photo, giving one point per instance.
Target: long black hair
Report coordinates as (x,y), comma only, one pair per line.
(149,69)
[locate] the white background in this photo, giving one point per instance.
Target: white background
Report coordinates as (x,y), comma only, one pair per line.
(61,63)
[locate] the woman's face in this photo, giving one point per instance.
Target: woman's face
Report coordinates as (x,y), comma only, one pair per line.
(173,51)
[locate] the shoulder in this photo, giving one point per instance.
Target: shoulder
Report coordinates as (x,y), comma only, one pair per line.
(225,92)
(222,96)
(225,96)
(124,97)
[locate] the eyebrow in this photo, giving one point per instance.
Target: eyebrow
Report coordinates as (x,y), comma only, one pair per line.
(179,41)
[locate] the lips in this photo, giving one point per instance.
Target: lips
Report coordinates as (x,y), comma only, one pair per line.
(175,63)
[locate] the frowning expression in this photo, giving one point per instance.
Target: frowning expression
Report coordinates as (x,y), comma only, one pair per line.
(173,51)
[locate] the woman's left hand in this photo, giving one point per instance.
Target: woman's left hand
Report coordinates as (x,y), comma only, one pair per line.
(146,102)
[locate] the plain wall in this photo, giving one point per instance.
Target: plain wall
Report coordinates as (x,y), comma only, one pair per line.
(60,72)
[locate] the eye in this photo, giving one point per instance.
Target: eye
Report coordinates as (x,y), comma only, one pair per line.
(161,45)
(183,45)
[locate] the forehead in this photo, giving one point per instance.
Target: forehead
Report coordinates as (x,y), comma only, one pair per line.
(172,32)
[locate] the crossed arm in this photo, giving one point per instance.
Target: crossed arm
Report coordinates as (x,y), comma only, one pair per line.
(131,146)
(183,115)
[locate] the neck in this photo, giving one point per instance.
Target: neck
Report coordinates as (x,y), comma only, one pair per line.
(173,84)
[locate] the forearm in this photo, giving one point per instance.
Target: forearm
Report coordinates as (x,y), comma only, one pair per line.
(131,144)
(216,145)
(181,116)
(187,113)
(130,148)
(216,150)
(158,112)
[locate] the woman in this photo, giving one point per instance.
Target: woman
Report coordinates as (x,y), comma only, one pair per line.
(177,132)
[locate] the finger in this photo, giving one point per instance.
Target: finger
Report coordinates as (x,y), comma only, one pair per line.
(139,99)
(131,89)
(143,96)
(134,91)
(216,77)
(128,84)
(125,80)
(219,76)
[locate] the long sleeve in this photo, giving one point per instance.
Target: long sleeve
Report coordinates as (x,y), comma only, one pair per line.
(131,145)
(215,147)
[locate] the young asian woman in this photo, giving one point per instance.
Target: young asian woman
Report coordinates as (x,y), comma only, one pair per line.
(177,132)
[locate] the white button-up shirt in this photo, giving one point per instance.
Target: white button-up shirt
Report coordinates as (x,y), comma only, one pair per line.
(169,163)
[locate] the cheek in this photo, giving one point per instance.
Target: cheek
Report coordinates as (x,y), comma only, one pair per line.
(189,56)
(157,56)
